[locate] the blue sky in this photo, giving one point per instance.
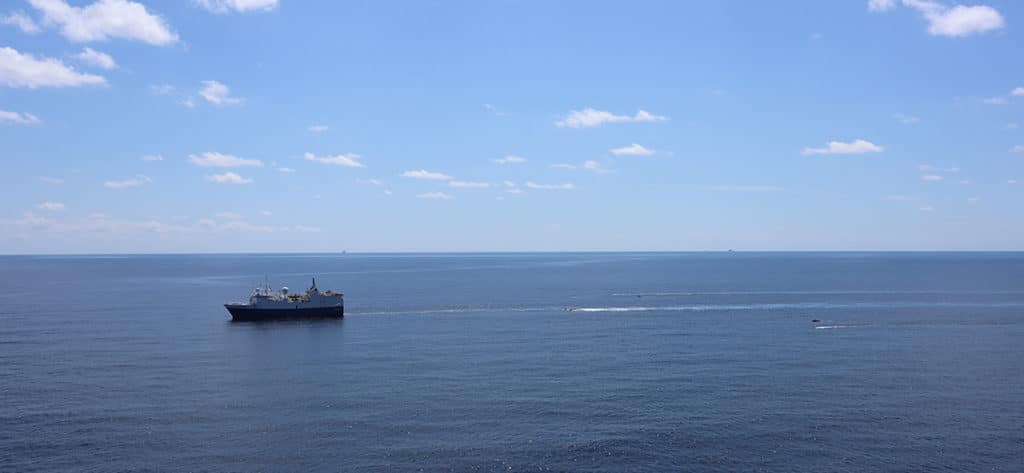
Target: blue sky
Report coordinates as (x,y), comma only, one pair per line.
(263,125)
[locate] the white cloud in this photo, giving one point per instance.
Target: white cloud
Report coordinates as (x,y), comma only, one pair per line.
(51,180)
(424,174)
(224,6)
(133,182)
(188,103)
(906,119)
(228,215)
(995,101)
(933,169)
(218,93)
(881,5)
(1012,126)
(95,58)
(590,117)
(283,169)
(510,160)
(434,196)
(494,110)
(51,206)
(931,177)
(220,160)
(348,160)
(106,19)
(595,166)
(18,118)
(24,70)
(1017,149)
(317,128)
(742,188)
(632,150)
(161,89)
(839,147)
(152,157)
(1011,181)
(566,186)
(1017,92)
(927,208)
(509,183)
(266,213)
(22,21)
(228,178)
(956,21)
(469,184)
(514,190)
(375,182)
(563,166)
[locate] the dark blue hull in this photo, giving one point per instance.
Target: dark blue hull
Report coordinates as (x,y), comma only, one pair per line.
(251,314)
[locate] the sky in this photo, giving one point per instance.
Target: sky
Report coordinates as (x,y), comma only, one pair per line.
(448,126)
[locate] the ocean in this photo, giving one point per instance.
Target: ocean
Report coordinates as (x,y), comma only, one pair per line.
(517,362)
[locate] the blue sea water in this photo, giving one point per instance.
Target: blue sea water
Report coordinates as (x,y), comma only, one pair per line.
(472,362)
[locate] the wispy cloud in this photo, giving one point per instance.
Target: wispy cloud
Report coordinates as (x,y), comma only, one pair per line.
(494,110)
(133,182)
(906,119)
(424,174)
(228,178)
(595,166)
(22,21)
(51,206)
(469,184)
(744,188)
(936,169)
(956,21)
(931,178)
(434,196)
(25,70)
(995,101)
(218,93)
(1017,149)
(927,208)
(563,166)
(838,147)
(221,160)
(152,157)
(242,6)
(51,180)
(632,150)
(317,128)
(228,215)
(1017,92)
(350,160)
(565,186)
(161,89)
(18,118)
(106,19)
(95,58)
(590,117)
(284,169)
(510,160)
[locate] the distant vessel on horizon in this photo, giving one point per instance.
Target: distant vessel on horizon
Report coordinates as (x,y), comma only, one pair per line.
(265,304)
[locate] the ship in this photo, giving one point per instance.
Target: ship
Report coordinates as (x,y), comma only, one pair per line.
(265,304)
